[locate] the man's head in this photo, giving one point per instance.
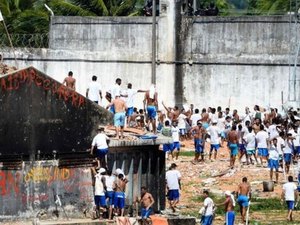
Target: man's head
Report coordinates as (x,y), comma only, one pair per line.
(100,129)
(290,178)
(199,124)
(173,166)
(233,127)
(94,78)
(129,85)
(118,81)
(143,189)
(244,179)
(205,193)
(70,74)
(196,111)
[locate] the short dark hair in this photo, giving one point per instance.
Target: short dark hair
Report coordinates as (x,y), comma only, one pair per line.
(70,73)
(206,192)
(290,179)
(129,85)
(196,110)
(94,78)
(244,179)
(118,80)
(144,188)
(167,123)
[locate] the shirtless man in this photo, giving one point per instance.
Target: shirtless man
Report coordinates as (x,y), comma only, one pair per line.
(172,114)
(198,132)
(119,117)
(229,208)
(150,103)
(69,81)
(233,144)
(146,201)
(119,197)
(205,118)
(243,197)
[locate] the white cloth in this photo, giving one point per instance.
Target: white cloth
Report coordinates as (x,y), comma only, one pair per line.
(99,187)
(289,191)
(280,145)
(181,121)
(130,97)
(221,123)
(100,141)
(172,178)
(175,134)
(209,205)
(152,91)
(250,139)
(194,118)
(214,133)
(261,138)
(94,89)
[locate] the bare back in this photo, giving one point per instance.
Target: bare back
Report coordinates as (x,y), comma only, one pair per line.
(119,105)
(244,188)
(228,205)
(151,100)
(233,137)
(70,82)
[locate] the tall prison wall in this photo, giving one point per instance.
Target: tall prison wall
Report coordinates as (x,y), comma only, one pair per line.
(235,61)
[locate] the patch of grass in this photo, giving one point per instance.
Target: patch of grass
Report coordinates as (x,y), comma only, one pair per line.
(187,153)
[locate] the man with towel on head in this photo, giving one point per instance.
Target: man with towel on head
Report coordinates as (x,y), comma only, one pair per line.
(150,103)
(229,208)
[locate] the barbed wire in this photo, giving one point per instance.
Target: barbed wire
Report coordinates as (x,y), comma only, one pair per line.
(25,40)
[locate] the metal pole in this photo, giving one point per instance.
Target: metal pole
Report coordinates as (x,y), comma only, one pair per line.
(153,74)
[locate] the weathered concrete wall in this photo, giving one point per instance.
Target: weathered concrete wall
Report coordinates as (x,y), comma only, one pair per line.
(237,61)
(37,113)
(25,192)
(207,61)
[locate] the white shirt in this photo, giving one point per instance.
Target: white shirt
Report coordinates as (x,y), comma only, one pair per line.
(181,121)
(214,132)
(273,131)
(99,187)
(100,141)
(130,97)
(94,89)
(289,191)
(243,133)
(175,134)
(195,118)
(250,139)
(273,153)
(261,138)
(221,123)
(297,138)
(116,90)
(288,148)
(209,205)
(109,181)
(280,143)
(173,177)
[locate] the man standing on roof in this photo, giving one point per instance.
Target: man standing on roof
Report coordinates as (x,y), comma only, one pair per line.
(69,81)
(93,92)
(119,117)
(150,103)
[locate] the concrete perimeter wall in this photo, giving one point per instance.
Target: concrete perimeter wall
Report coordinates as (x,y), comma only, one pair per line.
(208,61)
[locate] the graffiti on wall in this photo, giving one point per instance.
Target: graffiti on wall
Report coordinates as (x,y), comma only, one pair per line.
(76,181)
(31,77)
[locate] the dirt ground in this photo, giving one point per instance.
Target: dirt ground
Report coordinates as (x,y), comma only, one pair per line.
(200,176)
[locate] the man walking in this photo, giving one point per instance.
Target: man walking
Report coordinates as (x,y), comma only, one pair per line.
(244,196)
(290,194)
(69,81)
(207,215)
(173,177)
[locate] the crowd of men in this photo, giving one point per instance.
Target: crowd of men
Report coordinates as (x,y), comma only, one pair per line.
(262,137)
